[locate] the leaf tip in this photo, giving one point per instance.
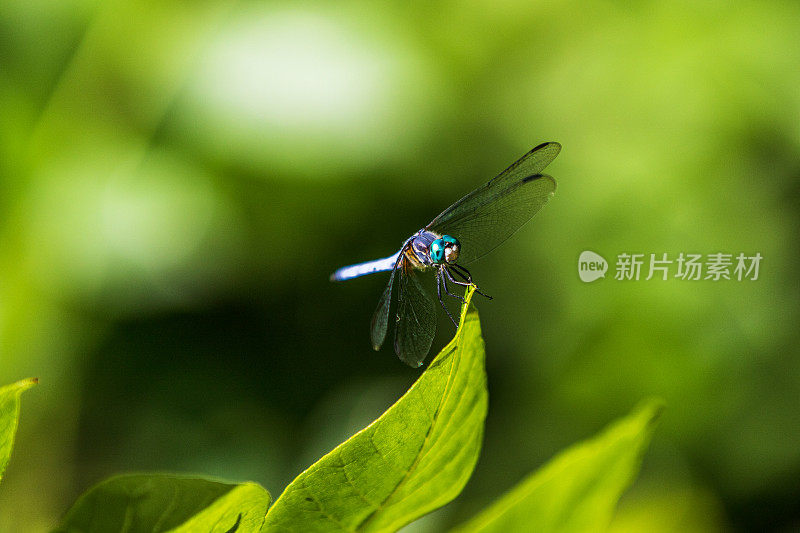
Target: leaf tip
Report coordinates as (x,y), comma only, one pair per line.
(651,410)
(25,384)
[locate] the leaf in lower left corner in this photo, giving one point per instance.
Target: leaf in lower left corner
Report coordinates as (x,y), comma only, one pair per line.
(139,503)
(9,417)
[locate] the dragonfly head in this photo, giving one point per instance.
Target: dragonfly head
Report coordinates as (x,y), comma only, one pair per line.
(444,250)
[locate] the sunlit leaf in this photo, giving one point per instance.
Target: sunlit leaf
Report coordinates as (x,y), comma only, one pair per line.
(149,503)
(579,489)
(9,417)
(413,459)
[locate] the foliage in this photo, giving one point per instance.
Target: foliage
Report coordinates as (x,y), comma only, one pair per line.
(160,502)
(413,459)
(9,417)
(579,489)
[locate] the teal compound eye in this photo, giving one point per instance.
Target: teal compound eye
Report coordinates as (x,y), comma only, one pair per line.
(436,251)
(451,249)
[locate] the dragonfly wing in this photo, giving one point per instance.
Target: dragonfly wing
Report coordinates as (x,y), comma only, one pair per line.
(380,319)
(490,214)
(416,320)
(485,228)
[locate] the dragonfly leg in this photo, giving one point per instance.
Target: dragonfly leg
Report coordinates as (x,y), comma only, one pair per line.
(439,283)
(449,274)
(464,274)
(465,283)
(445,276)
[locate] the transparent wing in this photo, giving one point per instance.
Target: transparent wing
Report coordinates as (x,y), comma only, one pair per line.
(416,319)
(490,214)
(485,228)
(380,319)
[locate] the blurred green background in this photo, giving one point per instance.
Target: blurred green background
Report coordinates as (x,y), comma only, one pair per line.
(180,178)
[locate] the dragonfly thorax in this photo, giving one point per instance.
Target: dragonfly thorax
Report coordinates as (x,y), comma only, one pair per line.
(444,250)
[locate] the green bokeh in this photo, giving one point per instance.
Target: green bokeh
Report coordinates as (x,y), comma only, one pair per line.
(180,178)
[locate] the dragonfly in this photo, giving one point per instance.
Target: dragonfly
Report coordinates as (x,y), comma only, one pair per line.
(467,230)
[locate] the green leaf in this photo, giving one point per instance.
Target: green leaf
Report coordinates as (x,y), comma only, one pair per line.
(579,489)
(162,502)
(413,459)
(9,417)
